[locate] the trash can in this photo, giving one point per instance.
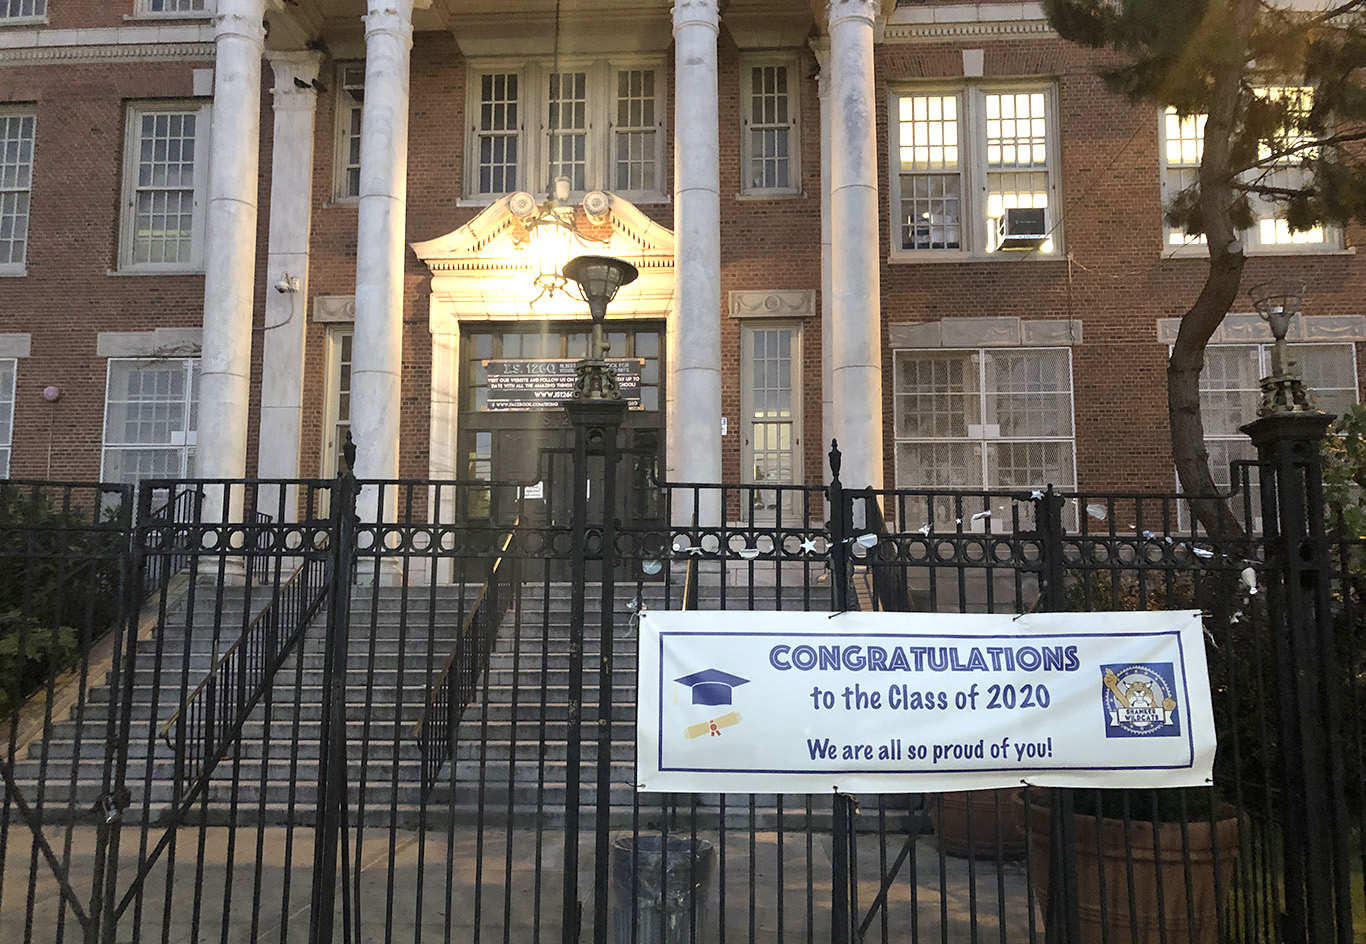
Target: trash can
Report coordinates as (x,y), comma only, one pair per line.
(659,885)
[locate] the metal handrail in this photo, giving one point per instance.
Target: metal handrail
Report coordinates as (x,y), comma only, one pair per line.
(222,701)
(180,507)
(453,690)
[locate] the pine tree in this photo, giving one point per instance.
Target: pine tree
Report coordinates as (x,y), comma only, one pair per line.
(1277,86)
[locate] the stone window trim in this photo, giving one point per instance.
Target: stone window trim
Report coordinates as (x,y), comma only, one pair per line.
(529,135)
(190,259)
(985,333)
(1179,145)
(967,187)
(1249,328)
(774,304)
(783,128)
(350,85)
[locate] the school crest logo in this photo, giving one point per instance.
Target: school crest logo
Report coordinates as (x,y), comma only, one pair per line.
(1140,700)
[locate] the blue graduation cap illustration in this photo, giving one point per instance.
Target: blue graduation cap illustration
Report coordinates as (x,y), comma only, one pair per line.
(711,686)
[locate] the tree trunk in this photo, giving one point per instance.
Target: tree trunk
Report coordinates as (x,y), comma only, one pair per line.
(1226,259)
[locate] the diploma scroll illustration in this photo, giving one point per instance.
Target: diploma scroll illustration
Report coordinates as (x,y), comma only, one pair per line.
(712,727)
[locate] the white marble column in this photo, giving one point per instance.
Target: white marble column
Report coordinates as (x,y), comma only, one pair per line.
(856,329)
(230,243)
(821,47)
(291,214)
(377,358)
(695,350)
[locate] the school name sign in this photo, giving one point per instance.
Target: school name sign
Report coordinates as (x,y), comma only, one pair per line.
(767,702)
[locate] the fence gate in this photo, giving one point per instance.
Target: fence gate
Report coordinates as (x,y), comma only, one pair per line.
(403,711)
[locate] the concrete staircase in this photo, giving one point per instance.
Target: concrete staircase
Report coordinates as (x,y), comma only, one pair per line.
(512,744)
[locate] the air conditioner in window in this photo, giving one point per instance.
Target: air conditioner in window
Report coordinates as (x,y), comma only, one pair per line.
(1023,228)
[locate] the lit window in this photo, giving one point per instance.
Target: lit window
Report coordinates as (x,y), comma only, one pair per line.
(986,418)
(769,128)
(16,181)
(23,9)
(164,184)
(976,171)
(1182,146)
(568,133)
(7,374)
(151,416)
(350,94)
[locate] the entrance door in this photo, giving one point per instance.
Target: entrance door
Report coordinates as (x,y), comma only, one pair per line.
(512,429)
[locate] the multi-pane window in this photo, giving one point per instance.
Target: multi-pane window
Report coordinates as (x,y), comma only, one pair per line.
(350,95)
(170,7)
(770,368)
(995,418)
(151,411)
(636,133)
(163,187)
(338,422)
(16,181)
(601,126)
(7,374)
(769,132)
(568,127)
(1182,147)
(976,171)
(1230,391)
(22,9)
(498,132)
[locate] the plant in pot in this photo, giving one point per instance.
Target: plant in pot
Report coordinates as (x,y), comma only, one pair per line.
(1152,865)
(980,824)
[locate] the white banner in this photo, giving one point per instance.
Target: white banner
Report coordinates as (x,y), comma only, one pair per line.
(744,702)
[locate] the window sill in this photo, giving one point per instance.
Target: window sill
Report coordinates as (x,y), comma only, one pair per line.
(1005,257)
(134,272)
(13,272)
(188,15)
(754,196)
(1200,252)
(632,196)
(23,21)
(337,203)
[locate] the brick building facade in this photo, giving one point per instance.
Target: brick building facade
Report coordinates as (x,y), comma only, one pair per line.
(1020,315)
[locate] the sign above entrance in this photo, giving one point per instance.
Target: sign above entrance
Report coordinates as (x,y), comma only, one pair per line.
(544,384)
(908,703)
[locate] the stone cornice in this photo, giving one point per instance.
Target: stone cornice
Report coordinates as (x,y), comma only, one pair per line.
(140,52)
(947,32)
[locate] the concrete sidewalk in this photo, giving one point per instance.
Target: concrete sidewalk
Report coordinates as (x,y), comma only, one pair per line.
(506,886)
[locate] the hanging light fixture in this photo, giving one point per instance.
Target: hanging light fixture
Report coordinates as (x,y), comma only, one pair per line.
(551,232)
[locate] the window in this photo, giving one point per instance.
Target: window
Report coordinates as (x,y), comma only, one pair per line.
(338,421)
(164,184)
(768,142)
(600,125)
(7,374)
(23,9)
(16,180)
(350,94)
(988,418)
(976,172)
(151,413)
(1182,146)
(771,412)
(1230,390)
(194,8)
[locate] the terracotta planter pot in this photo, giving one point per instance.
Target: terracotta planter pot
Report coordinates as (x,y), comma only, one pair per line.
(988,837)
(1102,852)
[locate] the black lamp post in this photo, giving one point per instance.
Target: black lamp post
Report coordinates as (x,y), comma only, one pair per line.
(1278,301)
(598,277)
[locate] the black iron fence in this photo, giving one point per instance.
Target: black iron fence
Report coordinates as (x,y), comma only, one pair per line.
(375,715)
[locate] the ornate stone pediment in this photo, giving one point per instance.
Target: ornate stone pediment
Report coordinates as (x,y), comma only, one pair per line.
(484,269)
